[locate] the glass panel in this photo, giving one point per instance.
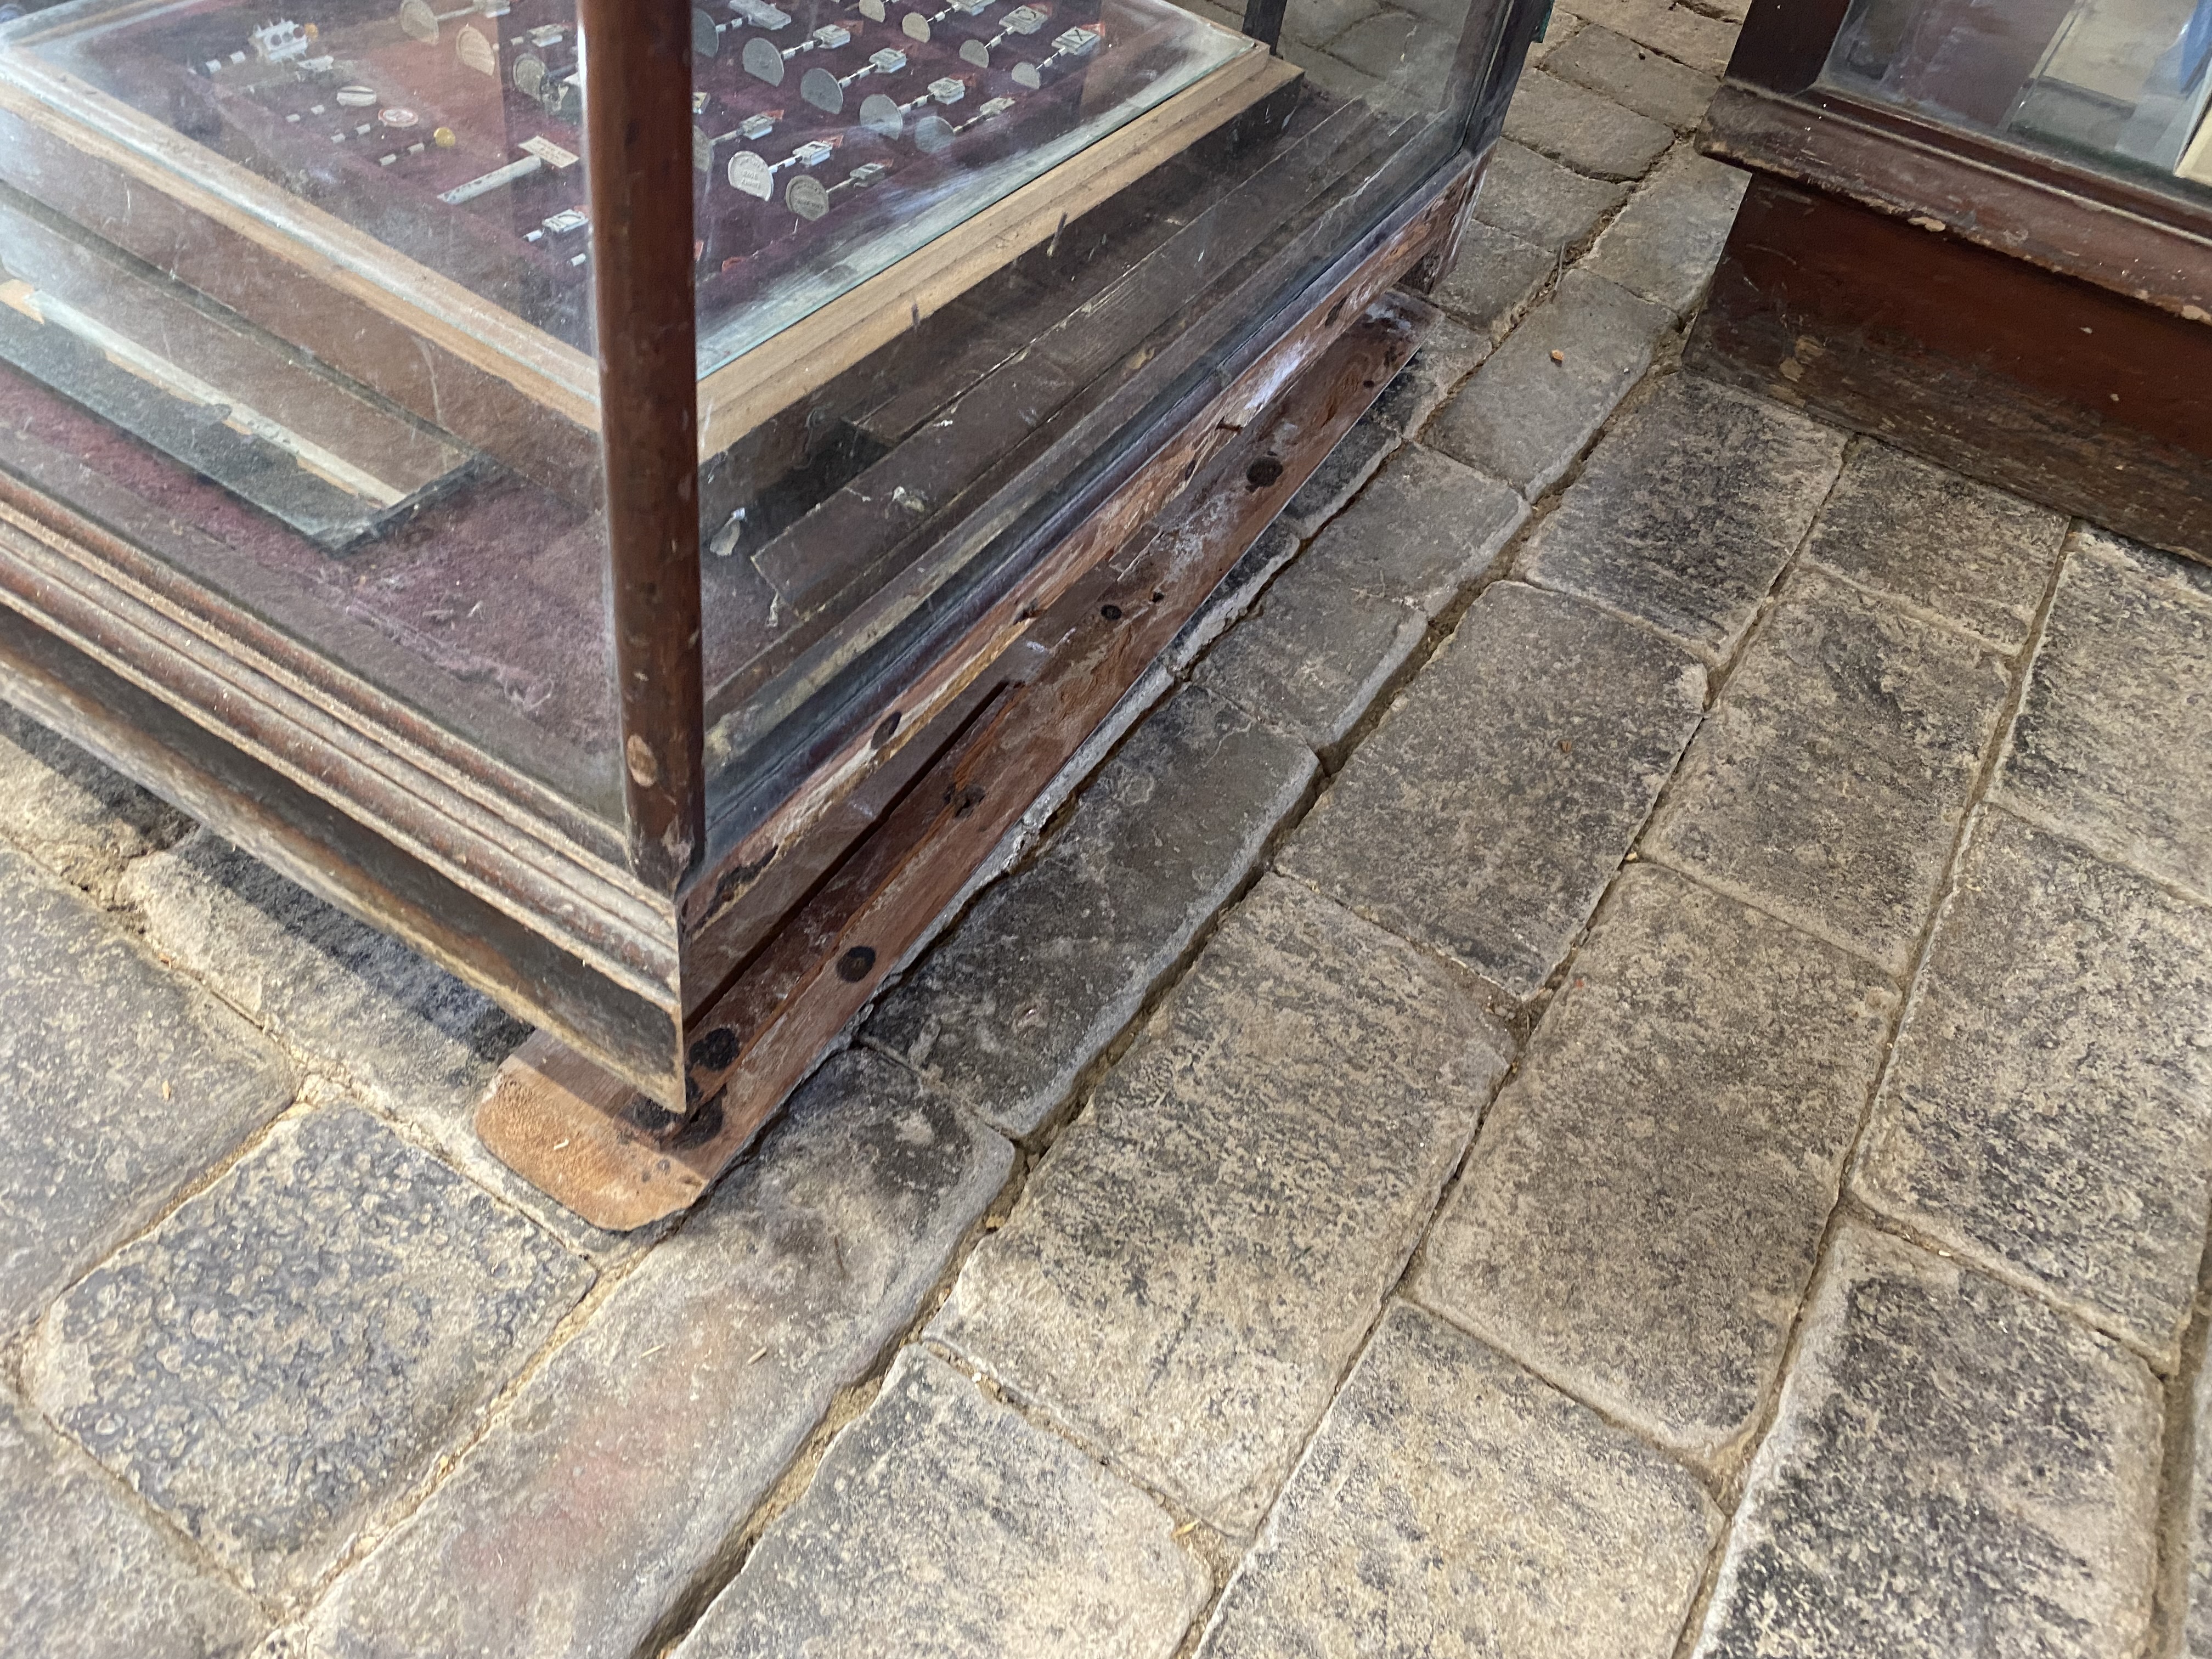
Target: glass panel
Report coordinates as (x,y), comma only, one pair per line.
(855,523)
(294,300)
(2123,84)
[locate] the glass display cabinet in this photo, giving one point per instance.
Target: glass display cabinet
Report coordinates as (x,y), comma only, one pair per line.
(637,499)
(1983,228)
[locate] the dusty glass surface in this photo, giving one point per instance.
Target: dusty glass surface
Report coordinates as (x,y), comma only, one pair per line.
(846,530)
(2122,84)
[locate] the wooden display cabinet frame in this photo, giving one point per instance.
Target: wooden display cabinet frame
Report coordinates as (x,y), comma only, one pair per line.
(684,975)
(2001,310)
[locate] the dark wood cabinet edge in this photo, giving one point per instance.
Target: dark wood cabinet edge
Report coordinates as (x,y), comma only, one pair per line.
(2135,242)
(598,917)
(639,135)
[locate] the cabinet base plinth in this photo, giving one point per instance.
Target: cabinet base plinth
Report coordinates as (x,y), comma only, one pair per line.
(620,1162)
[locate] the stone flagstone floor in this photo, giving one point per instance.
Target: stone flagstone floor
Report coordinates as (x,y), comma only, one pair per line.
(1617,1061)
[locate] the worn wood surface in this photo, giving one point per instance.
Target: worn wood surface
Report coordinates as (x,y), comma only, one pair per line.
(1108,621)
(2057,389)
(640,140)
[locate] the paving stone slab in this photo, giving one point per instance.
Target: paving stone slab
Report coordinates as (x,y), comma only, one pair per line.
(1487,815)
(1829,784)
(87,1575)
(1455,1507)
(1556,30)
(295,1342)
(1665,244)
(1052,963)
(1640,1216)
(2050,1108)
(1316,658)
(1497,277)
(1524,418)
(2114,740)
(623,1468)
(1448,354)
(1420,533)
(1957,1468)
(406,1037)
(1579,129)
(1634,76)
(1687,512)
(1544,204)
(1199,1257)
(942,1525)
(1691,38)
(1341,474)
(1974,555)
(119,1083)
(81,820)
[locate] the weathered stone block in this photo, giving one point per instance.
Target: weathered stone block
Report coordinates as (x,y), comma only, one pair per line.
(1201,1254)
(119,1084)
(81,820)
(410,1039)
(1489,811)
(1525,416)
(1634,76)
(2114,745)
(941,1522)
(1496,279)
(1420,533)
(1689,37)
(1689,511)
(1052,963)
(86,1575)
(624,1466)
(2050,1108)
(1666,243)
(295,1343)
(1828,786)
(1453,1506)
(1957,1468)
(1544,204)
(1315,658)
(1579,129)
(1448,354)
(1972,555)
(1640,1216)
(1338,478)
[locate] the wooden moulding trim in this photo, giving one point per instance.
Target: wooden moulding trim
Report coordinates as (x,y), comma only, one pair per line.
(738,396)
(2012,202)
(1103,530)
(132,633)
(328,250)
(516,803)
(589,1144)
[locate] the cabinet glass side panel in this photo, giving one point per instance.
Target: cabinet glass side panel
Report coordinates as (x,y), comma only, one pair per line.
(273,319)
(999,372)
(2121,84)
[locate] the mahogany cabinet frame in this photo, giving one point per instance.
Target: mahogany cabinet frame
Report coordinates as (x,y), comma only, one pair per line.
(2020,316)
